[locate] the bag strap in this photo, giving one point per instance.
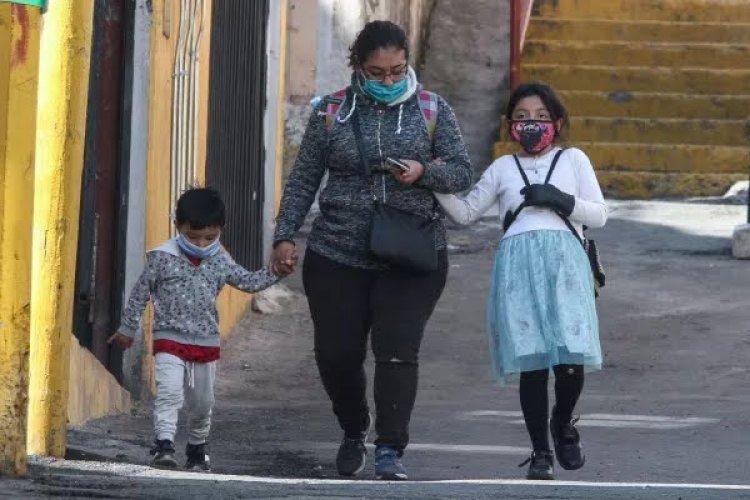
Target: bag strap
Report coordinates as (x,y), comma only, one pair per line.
(357,129)
(572,229)
(549,173)
(521,171)
(525,177)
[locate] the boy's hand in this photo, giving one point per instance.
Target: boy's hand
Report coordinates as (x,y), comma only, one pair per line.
(121,341)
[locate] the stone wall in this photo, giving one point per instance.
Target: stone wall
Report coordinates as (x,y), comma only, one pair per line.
(467,62)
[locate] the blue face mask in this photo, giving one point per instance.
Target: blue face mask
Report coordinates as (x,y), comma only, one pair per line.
(383,93)
(197,252)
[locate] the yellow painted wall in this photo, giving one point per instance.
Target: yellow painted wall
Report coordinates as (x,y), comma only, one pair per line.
(19,66)
(94,392)
(60,141)
(164,35)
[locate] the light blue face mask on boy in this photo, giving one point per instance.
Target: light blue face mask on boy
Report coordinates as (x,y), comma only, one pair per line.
(383,93)
(197,252)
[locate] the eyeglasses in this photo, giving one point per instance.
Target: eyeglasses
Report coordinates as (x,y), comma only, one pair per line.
(380,75)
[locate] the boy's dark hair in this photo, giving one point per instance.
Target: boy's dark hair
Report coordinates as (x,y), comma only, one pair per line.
(200,208)
(548,96)
(377,35)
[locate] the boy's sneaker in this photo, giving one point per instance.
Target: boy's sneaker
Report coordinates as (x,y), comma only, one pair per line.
(197,457)
(541,466)
(352,454)
(163,452)
(567,443)
(388,466)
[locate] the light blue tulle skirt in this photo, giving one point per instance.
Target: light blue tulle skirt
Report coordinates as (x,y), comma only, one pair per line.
(541,310)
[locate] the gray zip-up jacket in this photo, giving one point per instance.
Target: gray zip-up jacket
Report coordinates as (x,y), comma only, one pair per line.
(184,295)
(341,231)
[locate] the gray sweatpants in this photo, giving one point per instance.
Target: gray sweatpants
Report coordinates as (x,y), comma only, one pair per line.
(179,381)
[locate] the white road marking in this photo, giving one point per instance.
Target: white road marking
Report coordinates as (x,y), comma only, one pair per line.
(608,420)
(624,424)
(459,448)
(492,413)
(140,471)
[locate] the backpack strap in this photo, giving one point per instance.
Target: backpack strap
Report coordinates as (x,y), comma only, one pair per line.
(428,105)
(511,217)
(551,167)
(330,106)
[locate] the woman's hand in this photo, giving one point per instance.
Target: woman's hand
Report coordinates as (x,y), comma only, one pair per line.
(410,176)
(284,259)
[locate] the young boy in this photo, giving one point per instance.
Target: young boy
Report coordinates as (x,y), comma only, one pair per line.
(182,278)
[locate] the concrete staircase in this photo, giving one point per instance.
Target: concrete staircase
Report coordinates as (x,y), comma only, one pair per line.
(658,90)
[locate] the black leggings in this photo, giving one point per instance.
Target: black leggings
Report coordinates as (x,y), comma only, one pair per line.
(535,405)
(346,303)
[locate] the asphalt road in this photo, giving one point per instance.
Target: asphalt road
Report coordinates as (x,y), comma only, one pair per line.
(669,412)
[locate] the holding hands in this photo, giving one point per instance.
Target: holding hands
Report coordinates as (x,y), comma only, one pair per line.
(284,259)
(120,340)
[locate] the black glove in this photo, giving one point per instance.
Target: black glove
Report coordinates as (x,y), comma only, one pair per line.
(547,195)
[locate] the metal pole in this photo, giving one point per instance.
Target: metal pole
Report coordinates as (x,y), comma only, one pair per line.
(515,43)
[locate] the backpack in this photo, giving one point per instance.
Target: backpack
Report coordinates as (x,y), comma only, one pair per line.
(330,106)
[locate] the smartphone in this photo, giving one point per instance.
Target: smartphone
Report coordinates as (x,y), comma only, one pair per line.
(398,164)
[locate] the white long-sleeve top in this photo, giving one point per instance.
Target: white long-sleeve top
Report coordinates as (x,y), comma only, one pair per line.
(501,184)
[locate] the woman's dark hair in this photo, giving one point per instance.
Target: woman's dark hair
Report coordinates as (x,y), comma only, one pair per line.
(548,96)
(200,208)
(377,35)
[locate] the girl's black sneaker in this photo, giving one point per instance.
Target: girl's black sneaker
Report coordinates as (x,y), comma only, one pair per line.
(541,466)
(163,452)
(197,458)
(567,443)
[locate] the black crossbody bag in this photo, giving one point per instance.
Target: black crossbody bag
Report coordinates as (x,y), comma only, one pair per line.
(589,245)
(397,237)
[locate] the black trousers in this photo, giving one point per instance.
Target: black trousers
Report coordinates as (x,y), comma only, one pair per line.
(346,304)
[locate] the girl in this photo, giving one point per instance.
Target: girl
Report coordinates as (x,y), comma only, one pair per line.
(541,312)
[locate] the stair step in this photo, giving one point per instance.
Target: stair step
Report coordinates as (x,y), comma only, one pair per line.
(655,105)
(637,31)
(659,10)
(646,185)
(658,158)
(607,78)
(661,131)
(630,53)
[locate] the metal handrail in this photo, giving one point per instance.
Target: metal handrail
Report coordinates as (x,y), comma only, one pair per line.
(520,13)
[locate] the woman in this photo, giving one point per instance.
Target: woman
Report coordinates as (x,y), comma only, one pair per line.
(351,293)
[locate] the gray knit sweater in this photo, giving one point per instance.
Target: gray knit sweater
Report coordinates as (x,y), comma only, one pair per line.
(341,231)
(184,295)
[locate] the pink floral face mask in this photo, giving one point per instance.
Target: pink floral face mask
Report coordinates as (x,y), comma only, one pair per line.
(533,135)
